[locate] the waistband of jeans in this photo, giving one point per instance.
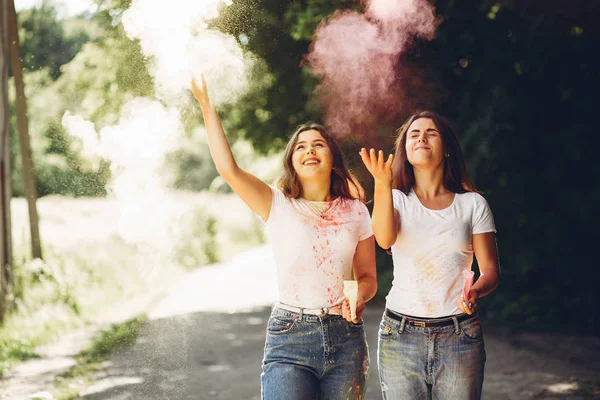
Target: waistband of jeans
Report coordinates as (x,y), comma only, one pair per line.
(428,322)
(319,312)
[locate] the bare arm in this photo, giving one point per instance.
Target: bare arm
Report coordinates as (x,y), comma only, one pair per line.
(254,192)
(385,217)
(366,275)
(484,247)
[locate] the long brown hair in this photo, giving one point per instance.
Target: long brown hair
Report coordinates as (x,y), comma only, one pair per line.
(343,183)
(456,177)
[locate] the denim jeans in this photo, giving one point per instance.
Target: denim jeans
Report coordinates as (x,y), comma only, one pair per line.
(309,357)
(431,363)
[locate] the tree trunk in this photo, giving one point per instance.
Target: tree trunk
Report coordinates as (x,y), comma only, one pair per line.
(22,122)
(5,184)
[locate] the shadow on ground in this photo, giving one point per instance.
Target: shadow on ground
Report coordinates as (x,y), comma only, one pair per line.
(209,355)
(202,355)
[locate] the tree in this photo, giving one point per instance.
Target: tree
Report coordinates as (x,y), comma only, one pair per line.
(46,42)
(518,80)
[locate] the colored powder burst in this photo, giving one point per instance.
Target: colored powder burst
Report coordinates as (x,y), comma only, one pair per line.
(357,58)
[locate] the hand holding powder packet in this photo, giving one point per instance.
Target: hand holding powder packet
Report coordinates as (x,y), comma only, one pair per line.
(351,293)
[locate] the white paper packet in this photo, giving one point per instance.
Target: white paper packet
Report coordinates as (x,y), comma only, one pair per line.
(351,293)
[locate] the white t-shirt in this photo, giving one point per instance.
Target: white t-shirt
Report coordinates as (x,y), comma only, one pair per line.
(313,254)
(431,250)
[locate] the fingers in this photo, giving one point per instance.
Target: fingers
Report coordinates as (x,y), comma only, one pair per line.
(360,307)
(204,88)
(346,311)
(390,160)
(365,157)
(467,307)
(380,159)
(194,85)
(375,158)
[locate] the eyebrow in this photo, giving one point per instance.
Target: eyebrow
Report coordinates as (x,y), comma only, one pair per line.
(427,130)
(316,140)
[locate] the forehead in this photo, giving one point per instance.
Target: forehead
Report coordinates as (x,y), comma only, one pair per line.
(422,124)
(309,136)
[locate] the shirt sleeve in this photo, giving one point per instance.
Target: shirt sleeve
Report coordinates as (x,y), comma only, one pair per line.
(398,199)
(483,220)
(366,226)
(277,202)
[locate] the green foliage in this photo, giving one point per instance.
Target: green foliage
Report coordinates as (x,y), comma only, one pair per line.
(192,163)
(63,171)
(12,351)
(81,67)
(269,115)
(70,383)
(45,43)
(200,246)
(517,78)
(519,102)
(117,336)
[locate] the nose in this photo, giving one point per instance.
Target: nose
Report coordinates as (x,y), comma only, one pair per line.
(422,138)
(310,150)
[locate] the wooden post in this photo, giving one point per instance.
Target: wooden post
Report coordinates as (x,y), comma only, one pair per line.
(5,186)
(21,105)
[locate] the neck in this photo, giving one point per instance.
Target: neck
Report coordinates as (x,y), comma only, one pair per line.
(429,183)
(316,190)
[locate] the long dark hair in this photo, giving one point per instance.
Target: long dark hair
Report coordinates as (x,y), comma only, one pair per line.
(456,177)
(343,183)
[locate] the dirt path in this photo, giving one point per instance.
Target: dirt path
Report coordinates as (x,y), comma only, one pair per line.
(205,341)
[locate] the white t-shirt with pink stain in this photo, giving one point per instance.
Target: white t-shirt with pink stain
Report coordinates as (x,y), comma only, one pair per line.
(431,251)
(313,254)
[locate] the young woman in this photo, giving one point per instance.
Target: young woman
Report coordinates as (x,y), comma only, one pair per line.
(321,235)
(429,213)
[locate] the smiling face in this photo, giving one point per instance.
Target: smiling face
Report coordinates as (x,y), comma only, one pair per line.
(424,146)
(311,157)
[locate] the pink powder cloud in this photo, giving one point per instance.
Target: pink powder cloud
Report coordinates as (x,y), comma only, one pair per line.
(357,58)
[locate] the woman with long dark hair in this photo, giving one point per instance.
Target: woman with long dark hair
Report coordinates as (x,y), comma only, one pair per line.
(321,236)
(428,212)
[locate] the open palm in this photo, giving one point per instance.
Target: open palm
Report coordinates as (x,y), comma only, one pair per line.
(377,165)
(200,91)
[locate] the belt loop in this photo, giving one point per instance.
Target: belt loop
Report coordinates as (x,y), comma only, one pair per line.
(301,314)
(456,326)
(401,329)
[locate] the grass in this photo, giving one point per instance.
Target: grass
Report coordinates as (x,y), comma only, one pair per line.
(69,384)
(88,269)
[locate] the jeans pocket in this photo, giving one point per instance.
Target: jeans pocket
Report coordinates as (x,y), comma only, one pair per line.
(278,325)
(386,330)
(472,329)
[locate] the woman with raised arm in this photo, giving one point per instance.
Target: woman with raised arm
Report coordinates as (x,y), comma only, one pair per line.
(321,235)
(429,213)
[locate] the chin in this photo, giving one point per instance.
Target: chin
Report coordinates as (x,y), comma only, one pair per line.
(315,175)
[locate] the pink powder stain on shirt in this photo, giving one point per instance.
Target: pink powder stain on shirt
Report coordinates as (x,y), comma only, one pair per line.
(341,212)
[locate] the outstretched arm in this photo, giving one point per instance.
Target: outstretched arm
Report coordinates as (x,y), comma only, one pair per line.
(254,192)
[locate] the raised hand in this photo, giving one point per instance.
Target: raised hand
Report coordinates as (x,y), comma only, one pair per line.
(377,165)
(201,92)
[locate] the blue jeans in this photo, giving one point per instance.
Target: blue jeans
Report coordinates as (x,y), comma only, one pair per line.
(431,363)
(312,358)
